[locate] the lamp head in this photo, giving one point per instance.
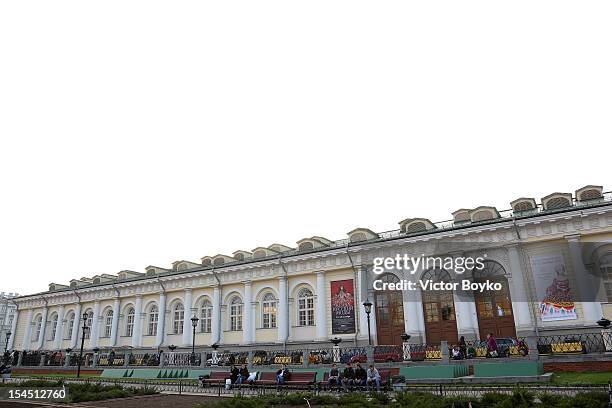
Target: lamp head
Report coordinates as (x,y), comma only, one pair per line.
(368,306)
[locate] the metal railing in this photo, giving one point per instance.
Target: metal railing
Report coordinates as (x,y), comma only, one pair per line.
(220,389)
(582,343)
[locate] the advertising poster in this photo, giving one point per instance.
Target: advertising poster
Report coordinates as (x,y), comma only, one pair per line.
(343,307)
(553,288)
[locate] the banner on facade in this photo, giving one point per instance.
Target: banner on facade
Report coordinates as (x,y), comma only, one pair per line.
(343,307)
(553,288)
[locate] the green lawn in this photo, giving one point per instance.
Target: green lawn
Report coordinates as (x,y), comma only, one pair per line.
(582,378)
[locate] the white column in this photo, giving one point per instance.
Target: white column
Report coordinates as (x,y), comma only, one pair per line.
(59,330)
(27,337)
(247,336)
(322,307)
(187,335)
(13,330)
(115,323)
(466,326)
(161,320)
(519,292)
(137,334)
(43,327)
(361,290)
(411,318)
(216,315)
(75,327)
(591,310)
(95,326)
(283,310)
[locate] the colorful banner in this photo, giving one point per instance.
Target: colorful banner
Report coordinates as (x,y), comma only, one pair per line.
(343,307)
(553,288)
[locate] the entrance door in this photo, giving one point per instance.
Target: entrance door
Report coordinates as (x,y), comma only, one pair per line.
(389,314)
(494,308)
(439,310)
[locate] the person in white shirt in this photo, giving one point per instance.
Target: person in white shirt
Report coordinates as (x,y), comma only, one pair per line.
(373,377)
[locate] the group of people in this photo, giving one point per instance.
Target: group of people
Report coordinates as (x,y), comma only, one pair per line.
(462,351)
(353,377)
(239,375)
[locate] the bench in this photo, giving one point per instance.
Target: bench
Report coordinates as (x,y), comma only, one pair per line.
(216,377)
(298,378)
(385,380)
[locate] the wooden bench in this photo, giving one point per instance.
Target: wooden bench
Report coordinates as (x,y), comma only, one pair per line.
(216,377)
(298,378)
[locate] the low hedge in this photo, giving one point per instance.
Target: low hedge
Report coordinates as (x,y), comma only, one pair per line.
(81,392)
(519,399)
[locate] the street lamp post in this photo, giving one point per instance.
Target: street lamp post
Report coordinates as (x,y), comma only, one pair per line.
(80,361)
(368,309)
(194,324)
(8,336)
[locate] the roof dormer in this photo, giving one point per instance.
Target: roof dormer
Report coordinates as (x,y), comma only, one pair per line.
(557,200)
(262,252)
(523,205)
(179,266)
(588,193)
(461,216)
(207,261)
(127,274)
(242,255)
(221,259)
(362,234)
(483,213)
(280,248)
(103,278)
(77,283)
(413,225)
(56,286)
(152,270)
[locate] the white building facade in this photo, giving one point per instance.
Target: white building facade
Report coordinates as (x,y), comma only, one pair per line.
(8,316)
(278,294)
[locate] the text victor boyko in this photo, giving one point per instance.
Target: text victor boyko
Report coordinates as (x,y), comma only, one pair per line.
(411,264)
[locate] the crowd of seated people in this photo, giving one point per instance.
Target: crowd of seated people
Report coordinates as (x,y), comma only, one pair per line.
(353,378)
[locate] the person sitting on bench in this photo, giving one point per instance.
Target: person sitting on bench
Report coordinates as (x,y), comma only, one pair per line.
(360,375)
(373,378)
(348,377)
(234,374)
(334,377)
(282,375)
(243,375)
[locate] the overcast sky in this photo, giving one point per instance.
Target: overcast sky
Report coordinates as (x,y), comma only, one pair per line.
(138,133)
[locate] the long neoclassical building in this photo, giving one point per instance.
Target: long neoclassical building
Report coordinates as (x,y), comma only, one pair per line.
(541,252)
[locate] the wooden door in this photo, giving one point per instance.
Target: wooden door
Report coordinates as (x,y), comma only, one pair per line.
(439,311)
(389,314)
(494,308)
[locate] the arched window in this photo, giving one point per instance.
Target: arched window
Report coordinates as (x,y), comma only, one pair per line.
(605,266)
(236,314)
(129,322)
(108,323)
(305,307)
(153,320)
(178,319)
(53,330)
(37,328)
(89,322)
(206,316)
(269,311)
(70,327)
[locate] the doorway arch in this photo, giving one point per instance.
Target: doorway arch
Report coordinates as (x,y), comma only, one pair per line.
(494,308)
(439,310)
(389,313)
